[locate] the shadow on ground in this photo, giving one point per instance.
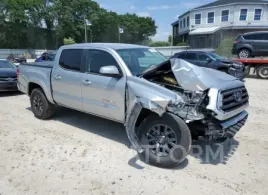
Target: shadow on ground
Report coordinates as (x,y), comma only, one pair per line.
(205,153)
(10,93)
(214,153)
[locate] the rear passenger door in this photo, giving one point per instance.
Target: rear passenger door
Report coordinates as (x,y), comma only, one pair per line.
(264,44)
(103,95)
(257,42)
(66,79)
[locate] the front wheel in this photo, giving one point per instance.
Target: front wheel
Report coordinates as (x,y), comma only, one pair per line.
(262,72)
(41,107)
(166,140)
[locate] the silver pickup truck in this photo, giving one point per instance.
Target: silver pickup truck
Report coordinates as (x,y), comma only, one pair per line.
(164,104)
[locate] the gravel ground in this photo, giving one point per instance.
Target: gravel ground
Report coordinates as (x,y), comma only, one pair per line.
(75,153)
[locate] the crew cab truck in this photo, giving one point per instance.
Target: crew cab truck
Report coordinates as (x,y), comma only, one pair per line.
(164,104)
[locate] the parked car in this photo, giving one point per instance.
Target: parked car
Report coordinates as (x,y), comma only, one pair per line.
(46,56)
(251,45)
(8,76)
(214,61)
(19,59)
(164,104)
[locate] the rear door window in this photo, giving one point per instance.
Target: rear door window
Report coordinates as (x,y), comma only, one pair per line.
(71,59)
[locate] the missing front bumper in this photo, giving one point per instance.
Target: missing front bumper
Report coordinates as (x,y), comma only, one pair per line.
(215,129)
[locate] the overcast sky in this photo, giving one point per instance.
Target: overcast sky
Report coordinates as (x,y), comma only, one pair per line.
(164,12)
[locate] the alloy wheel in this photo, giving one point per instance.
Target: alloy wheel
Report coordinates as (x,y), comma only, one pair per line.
(162,139)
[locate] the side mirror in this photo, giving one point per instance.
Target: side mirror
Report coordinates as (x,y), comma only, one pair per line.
(110,71)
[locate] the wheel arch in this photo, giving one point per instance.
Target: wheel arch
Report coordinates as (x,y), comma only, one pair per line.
(37,84)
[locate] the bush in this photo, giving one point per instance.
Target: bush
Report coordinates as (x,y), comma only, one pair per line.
(225,47)
(182,44)
(68,41)
(159,44)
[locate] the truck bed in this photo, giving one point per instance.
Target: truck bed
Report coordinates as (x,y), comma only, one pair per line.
(38,73)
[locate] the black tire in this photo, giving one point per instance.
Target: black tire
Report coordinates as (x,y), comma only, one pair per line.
(47,110)
(183,140)
(262,72)
(244,53)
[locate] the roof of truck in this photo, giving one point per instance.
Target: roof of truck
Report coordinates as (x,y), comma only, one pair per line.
(114,46)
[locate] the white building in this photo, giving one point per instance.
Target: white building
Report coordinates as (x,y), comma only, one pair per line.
(207,25)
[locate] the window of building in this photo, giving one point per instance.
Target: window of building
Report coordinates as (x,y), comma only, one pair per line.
(225,16)
(210,17)
(71,59)
(188,21)
(243,14)
(184,23)
(180,23)
(197,18)
(257,15)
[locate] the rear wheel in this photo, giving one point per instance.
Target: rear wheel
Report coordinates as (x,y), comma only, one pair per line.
(262,72)
(41,107)
(167,140)
(244,53)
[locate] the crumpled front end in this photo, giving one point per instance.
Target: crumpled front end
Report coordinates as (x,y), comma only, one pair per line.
(183,89)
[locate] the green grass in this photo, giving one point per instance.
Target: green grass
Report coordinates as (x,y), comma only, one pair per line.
(225,47)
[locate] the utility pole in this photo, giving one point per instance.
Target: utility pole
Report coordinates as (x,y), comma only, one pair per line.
(85,30)
(90,34)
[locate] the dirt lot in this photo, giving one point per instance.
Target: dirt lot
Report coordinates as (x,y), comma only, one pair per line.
(77,153)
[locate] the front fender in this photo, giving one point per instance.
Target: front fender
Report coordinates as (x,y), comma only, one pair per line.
(140,94)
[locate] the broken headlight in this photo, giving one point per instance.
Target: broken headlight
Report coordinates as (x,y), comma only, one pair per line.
(196,97)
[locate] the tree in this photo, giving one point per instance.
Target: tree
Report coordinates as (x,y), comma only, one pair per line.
(32,22)
(170,40)
(68,41)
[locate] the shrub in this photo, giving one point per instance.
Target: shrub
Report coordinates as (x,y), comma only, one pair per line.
(68,41)
(159,44)
(182,44)
(225,47)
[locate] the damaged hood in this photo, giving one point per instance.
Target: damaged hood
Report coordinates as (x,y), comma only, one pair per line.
(194,78)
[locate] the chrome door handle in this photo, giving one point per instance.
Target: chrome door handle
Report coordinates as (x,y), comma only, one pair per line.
(86,82)
(57,77)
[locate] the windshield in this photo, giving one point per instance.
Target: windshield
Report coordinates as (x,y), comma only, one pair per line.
(216,57)
(6,64)
(138,60)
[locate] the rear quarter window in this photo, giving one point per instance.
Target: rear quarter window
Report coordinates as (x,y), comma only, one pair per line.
(257,36)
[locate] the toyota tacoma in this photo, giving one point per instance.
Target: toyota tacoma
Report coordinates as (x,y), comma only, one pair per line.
(164,104)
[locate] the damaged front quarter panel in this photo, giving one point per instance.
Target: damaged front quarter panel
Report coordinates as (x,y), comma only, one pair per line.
(140,94)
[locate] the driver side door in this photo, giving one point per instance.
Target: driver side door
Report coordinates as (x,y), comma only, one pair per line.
(204,60)
(103,95)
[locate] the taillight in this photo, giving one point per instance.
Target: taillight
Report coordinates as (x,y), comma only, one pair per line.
(237,41)
(17,72)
